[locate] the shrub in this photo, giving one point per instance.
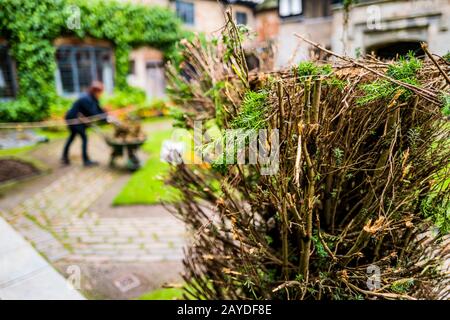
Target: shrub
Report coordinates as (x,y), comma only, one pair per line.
(19,111)
(309,68)
(446,104)
(347,191)
(252,115)
(130,96)
(404,70)
(59,106)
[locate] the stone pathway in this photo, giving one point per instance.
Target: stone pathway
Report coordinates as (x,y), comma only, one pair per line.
(24,274)
(61,221)
(58,223)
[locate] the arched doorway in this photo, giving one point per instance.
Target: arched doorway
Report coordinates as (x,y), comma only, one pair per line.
(392,50)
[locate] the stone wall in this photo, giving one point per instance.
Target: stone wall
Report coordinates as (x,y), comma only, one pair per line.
(290,49)
(267,25)
(375,23)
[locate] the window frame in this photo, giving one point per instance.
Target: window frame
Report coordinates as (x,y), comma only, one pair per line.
(10,64)
(302,7)
(73,65)
(185,4)
(131,67)
(242,14)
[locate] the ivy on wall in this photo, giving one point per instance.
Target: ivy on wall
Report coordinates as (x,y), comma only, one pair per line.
(30,28)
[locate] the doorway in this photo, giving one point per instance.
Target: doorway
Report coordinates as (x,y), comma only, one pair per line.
(390,51)
(156,82)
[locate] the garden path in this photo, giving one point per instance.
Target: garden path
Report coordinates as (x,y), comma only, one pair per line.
(66,215)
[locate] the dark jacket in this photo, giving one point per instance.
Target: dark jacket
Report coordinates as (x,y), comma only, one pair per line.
(87,105)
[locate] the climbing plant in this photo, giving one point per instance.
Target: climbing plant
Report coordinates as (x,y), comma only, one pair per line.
(31,26)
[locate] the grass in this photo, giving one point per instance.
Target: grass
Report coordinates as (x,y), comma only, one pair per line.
(163,294)
(146,186)
(16,151)
(169,294)
(53,134)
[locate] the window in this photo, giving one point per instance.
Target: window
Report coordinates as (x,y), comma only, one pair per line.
(290,8)
(131,67)
(241,18)
(7,80)
(78,66)
(185,11)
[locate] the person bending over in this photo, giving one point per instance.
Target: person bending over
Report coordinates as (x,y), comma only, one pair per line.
(87,105)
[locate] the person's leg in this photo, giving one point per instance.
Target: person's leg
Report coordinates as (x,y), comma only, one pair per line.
(84,147)
(65,156)
(84,144)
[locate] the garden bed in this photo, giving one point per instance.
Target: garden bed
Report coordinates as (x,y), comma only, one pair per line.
(15,169)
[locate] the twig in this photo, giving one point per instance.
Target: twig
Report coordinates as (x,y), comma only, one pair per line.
(425,94)
(425,49)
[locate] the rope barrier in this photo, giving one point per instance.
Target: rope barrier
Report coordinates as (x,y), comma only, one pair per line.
(62,122)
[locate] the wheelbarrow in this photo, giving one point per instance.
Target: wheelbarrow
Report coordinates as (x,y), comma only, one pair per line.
(119,147)
(121,142)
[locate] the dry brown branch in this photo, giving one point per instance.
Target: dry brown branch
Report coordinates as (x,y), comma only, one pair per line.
(354,184)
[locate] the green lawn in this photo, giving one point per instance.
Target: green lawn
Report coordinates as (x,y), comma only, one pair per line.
(168,294)
(163,294)
(146,186)
(15,151)
(53,134)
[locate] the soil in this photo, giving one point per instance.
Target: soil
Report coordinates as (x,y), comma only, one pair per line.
(11,169)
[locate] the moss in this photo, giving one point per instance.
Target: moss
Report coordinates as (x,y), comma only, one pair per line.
(446,104)
(402,286)
(337,83)
(404,70)
(447,57)
(438,211)
(308,68)
(163,294)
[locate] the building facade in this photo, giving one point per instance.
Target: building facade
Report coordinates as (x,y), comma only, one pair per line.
(384,27)
(205,16)
(387,28)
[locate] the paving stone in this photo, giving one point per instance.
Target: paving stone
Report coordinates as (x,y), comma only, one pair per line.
(63,207)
